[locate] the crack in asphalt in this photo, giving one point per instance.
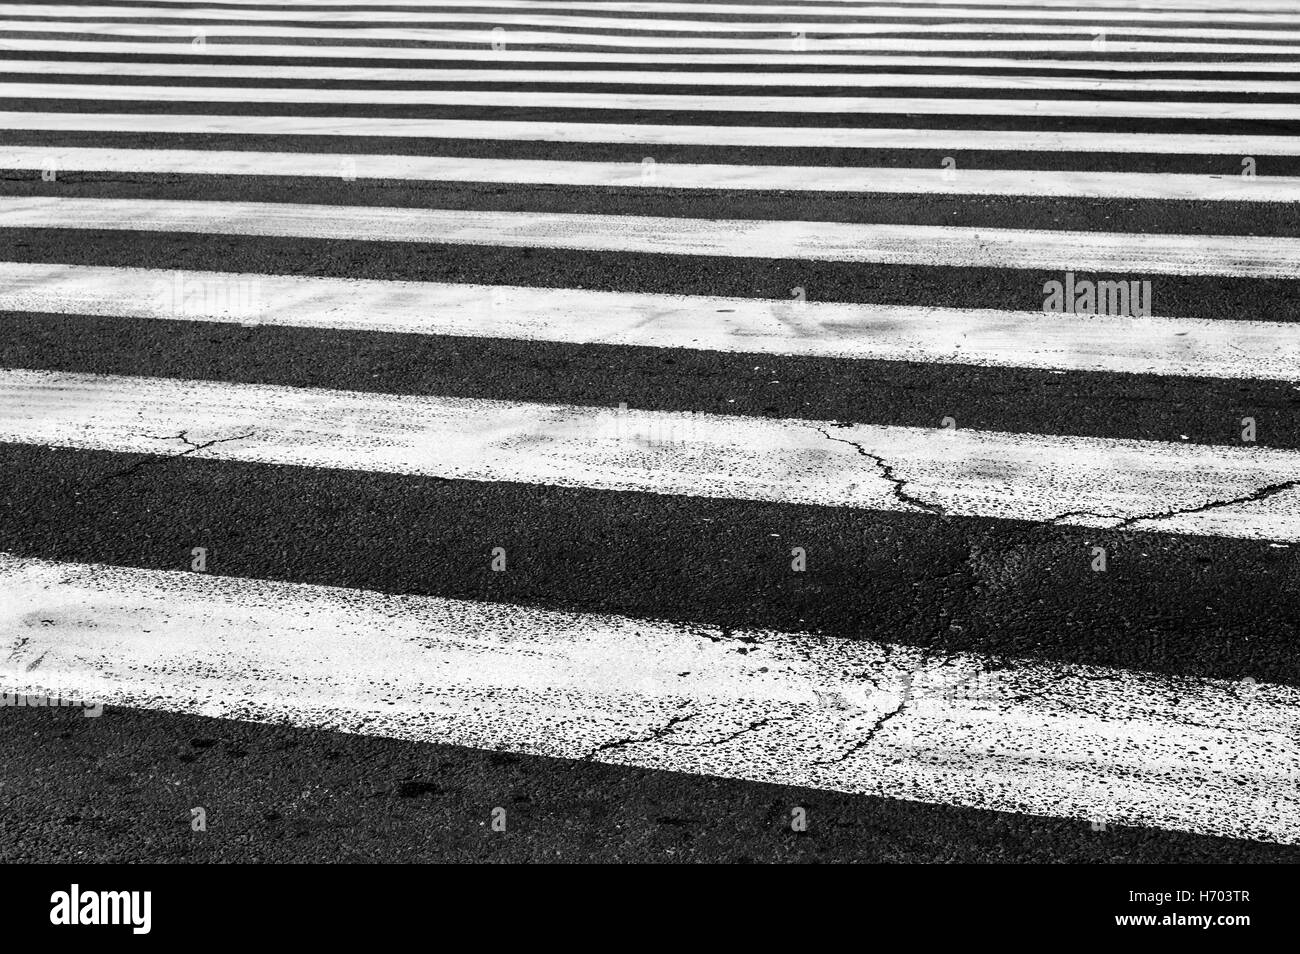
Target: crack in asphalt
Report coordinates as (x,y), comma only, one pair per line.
(147,459)
(871,733)
(737,734)
(909,693)
(901,494)
(67,177)
(198,447)
(654,735)
(155,458)
(1263,493)
(887,471)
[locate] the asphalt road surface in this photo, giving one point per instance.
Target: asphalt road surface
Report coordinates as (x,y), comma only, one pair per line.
(802,431)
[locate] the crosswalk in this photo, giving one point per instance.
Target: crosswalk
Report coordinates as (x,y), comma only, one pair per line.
(895,399)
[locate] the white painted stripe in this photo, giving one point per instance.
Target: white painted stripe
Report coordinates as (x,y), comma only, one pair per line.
(650,77)
(660,101)
(313,51)
(486,37)
(1133,254)
(1230,491)
(1106,8)
(1199,755)
(982,337)
(900,15)
(662,175)
(245,22)
(1236,146)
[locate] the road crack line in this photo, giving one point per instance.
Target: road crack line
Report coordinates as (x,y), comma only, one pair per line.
(654,735)
(1263,493)
(887,471)
(871,733)
(737,734)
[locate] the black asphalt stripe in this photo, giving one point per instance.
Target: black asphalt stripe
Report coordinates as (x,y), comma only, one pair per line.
(811,93)
(800,119)
(636,152)
(1153,216)
(1207,296)
(1039,68)
(1180,605)
(1094,404)
(120,788)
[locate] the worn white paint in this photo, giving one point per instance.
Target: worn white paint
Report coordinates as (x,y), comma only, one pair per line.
(1235,146)
(1069,9)
(1250,492)
(777,58)
(1207,756)
(534,77)
(583,15)
(484,37)
(661,175)
(1133,254)
(469,23)
(986,337)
